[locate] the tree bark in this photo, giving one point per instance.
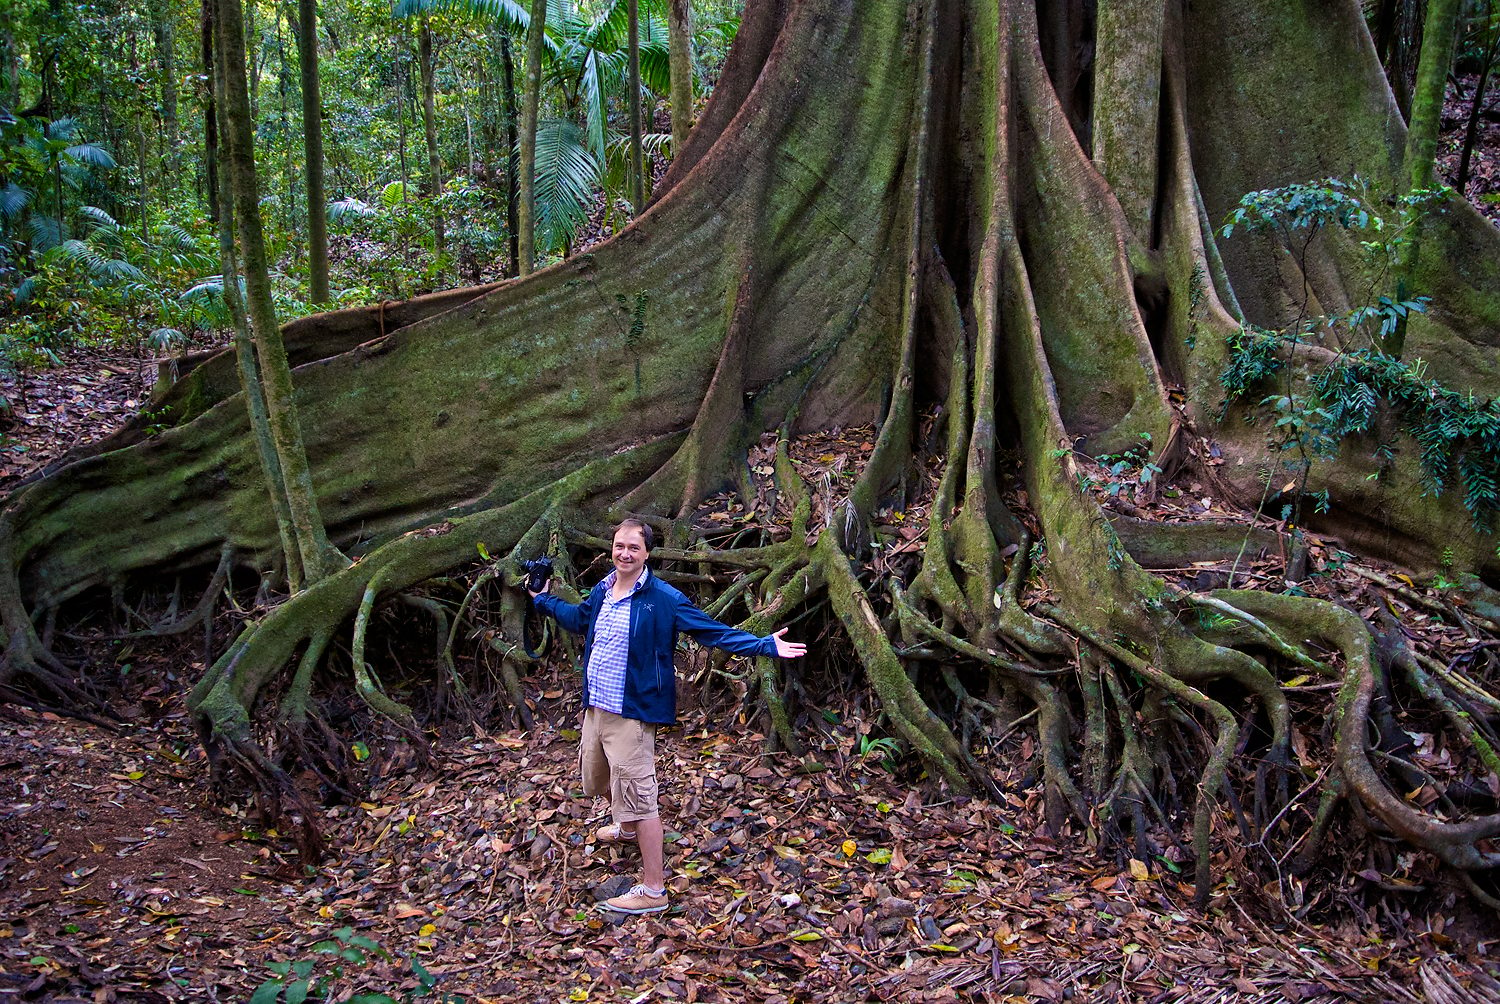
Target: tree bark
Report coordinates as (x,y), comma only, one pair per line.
(680,57)
(166,60)
(1438,33)
(312,151)
(531,99)
(1127,104)
(250,383)
(319,557)
(637,157)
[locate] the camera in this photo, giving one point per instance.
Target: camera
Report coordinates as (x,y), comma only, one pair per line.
(538,571)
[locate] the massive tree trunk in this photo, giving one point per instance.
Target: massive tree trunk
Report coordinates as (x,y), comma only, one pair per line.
(886,214)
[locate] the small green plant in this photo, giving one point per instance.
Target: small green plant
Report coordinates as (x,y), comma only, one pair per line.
(887,748)
(1130,470)
(339,957)
(1315,411)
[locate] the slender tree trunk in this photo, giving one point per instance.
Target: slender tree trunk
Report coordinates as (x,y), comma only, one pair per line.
(1471,131)
(401,117)
(1438,31)
(254,64)
(680,62)
(210,116)
(1398,36)
(161,27)
(312,148)
(244,353)
(283,91)
(512,194)
(318,556)
(530,108)
(463,103)
(429,127)
(637,155)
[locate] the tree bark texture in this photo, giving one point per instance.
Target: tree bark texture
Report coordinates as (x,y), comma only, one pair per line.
(1438,34)
(312,151)
(680,65)
(531,100)
(317,554)
(633,82)
(884,209)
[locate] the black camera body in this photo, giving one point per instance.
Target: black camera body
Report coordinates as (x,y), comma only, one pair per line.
(538,571)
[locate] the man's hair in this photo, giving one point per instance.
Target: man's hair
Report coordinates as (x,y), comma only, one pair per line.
(647,534)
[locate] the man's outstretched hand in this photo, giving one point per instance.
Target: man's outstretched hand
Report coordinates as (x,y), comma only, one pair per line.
(788,649)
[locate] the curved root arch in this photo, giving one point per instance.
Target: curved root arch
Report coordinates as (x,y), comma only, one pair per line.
(891,211)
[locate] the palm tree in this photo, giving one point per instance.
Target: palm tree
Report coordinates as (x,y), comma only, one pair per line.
(36,156)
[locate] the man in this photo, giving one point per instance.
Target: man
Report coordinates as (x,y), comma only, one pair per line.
(630,623)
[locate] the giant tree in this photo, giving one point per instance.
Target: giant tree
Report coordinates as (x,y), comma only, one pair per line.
(934,217)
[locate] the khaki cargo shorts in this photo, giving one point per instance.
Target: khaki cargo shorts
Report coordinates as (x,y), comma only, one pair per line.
(617,757)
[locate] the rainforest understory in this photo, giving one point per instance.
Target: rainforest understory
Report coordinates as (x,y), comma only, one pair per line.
(950,223)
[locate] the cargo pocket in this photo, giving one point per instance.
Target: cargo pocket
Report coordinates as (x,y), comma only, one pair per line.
(636,796)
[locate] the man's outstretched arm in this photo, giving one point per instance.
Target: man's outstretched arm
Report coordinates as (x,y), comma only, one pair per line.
(569,615)
(710,632)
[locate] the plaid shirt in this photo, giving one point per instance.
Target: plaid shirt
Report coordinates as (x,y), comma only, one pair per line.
(611,646)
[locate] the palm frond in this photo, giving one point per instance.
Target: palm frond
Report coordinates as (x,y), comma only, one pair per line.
(13,200)
(91,154)
(44,233)
(63,128)
(393,194)
(350,209)
(566,176)
(164,339)
(509,14)
(656,68)
(592,89)
(99,266)
(177,238)
(98,218)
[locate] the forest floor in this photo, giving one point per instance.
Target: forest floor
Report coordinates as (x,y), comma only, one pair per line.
(121,879)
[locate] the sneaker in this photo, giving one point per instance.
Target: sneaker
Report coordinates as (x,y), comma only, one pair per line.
(638,900)
(614,833)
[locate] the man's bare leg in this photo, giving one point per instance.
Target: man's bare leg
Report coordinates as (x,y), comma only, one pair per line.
(648,835)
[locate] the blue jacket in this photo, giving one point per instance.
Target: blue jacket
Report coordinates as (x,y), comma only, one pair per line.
(657,612)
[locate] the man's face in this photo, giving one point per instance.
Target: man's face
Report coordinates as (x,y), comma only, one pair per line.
(629,551)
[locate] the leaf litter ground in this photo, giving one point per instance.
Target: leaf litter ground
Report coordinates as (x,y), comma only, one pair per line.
(121,881)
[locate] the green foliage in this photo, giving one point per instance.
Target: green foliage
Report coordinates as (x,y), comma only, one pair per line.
(886,748)
(1130,469)
(1318,408)
(344,956)
(105,234)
